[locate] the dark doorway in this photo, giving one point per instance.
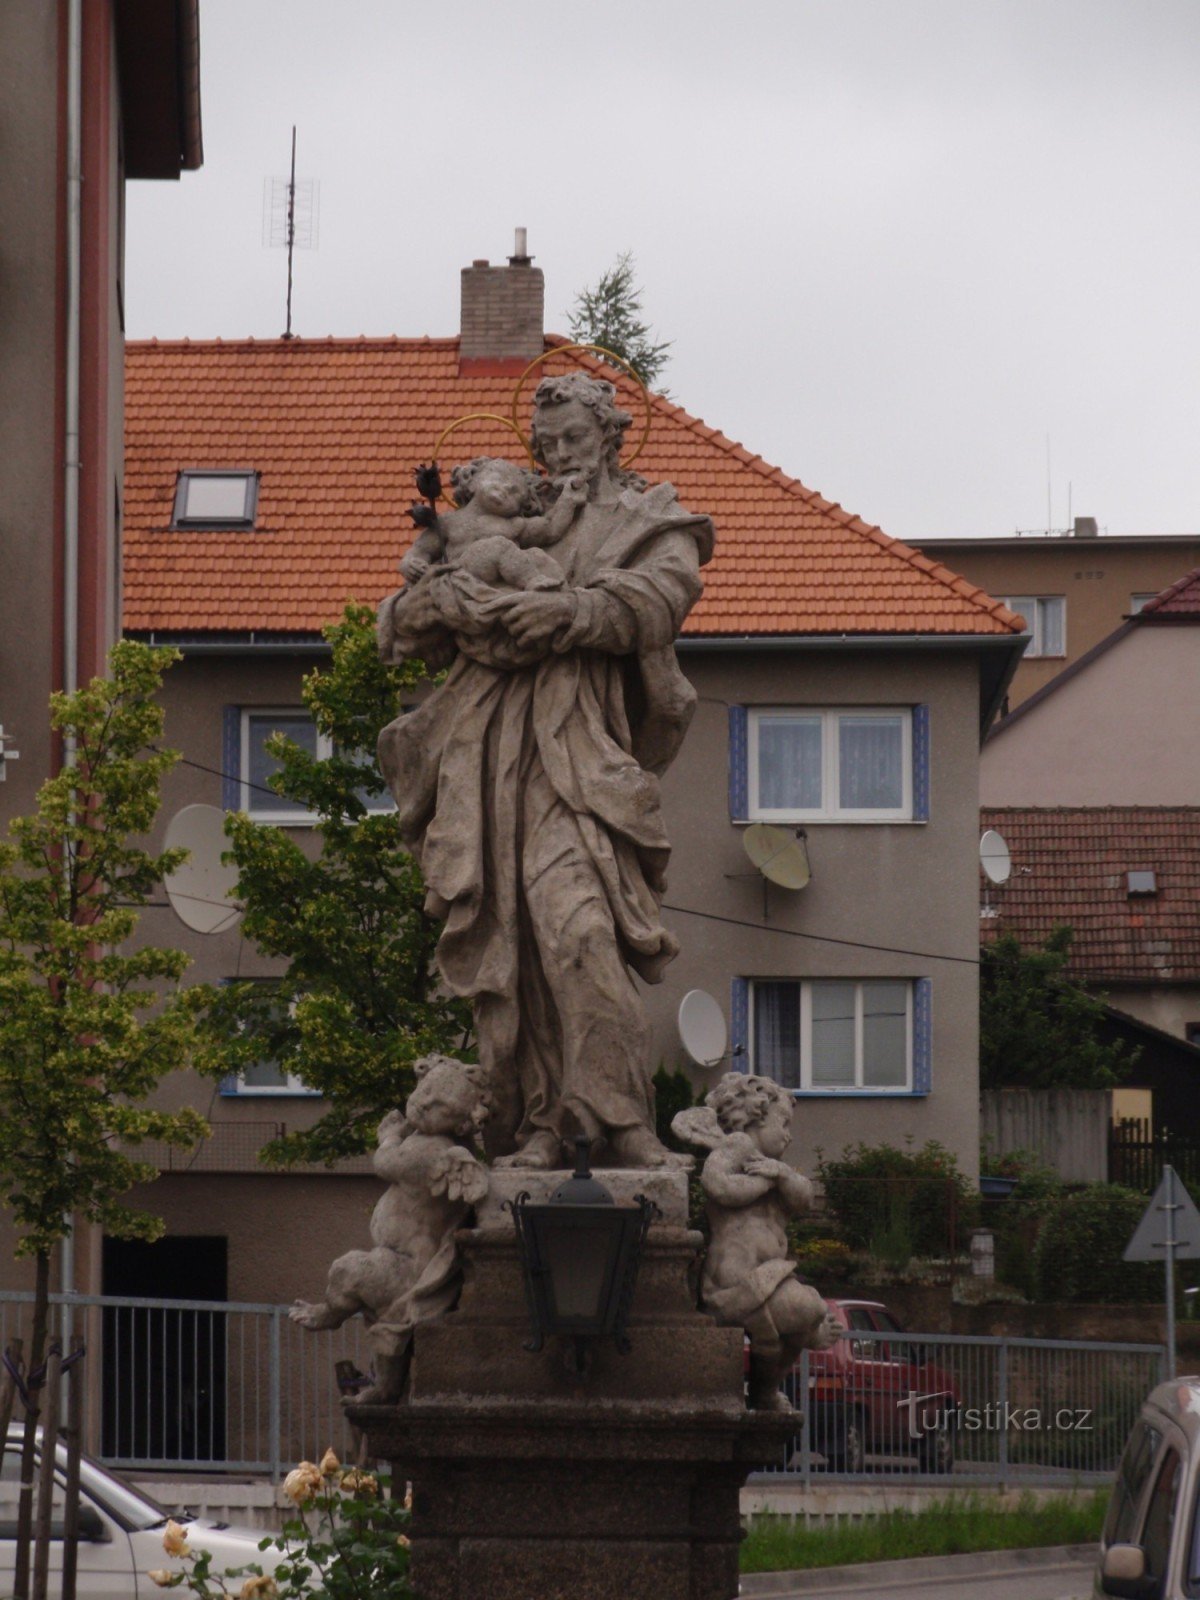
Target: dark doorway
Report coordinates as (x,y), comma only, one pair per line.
(164,1366)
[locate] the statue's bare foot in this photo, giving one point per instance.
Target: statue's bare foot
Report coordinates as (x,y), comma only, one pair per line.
(543,1153)
(765,1399)
(637,1147)
(317,1317)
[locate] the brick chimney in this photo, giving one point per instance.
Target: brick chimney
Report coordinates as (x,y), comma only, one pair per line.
(502,314)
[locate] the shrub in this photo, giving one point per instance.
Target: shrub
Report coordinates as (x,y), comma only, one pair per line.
(1017,1220)
(873,1186)
(1079,1248)
(824,1260)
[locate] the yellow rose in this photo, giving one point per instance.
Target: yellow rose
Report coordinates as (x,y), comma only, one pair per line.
(164,1580)
(175,1541)
(356,1482)
(330,1464)
(260,1588)
(302,1482)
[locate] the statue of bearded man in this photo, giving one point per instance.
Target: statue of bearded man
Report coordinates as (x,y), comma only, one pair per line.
(527,787)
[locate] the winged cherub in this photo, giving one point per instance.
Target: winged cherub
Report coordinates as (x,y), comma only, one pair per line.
(750,1279)
(434,1179)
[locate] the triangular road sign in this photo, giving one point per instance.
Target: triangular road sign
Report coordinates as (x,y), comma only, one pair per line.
(1149,1242)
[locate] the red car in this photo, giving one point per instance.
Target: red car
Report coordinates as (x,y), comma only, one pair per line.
(873,1394)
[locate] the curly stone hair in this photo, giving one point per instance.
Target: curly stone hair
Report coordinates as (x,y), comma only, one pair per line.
(741,1100)
(467,1083)
(464,479)
(600,398)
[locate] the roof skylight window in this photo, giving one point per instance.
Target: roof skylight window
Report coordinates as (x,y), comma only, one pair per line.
(1141,883)
(217,497)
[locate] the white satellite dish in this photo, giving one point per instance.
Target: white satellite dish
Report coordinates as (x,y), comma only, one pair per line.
(780,854)
(994,857)
(200,890)
(702,1028)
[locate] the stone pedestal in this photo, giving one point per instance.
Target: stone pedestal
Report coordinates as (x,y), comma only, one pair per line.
(531,1482)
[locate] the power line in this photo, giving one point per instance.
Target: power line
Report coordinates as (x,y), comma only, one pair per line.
(821,938)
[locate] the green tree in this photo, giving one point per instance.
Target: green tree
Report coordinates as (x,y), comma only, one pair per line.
(359,1000)
(610,315)
(1038,1028)
(88,1024)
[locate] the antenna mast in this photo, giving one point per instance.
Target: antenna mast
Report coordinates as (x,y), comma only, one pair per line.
(291,217)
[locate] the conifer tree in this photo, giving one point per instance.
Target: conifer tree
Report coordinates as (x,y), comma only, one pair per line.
(610,315)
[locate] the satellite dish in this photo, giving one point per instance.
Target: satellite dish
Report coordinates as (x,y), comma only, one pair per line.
(200,889)
(702,1028)
(994,857)
(780,854)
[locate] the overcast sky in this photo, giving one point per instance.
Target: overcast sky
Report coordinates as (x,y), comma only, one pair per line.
(897,243)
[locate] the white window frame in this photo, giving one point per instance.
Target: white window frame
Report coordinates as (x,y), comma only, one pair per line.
(1036,623)
(830,810)
(255,803)
(1139,601)
(807,1086)
(293,1086)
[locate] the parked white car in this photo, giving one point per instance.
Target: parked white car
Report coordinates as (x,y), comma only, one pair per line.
(1150,1547)
(121,1532)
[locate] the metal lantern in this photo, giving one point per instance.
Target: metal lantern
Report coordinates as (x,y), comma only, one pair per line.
(580,1251)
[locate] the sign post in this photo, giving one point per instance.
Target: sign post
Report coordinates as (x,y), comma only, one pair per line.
(1171,1225)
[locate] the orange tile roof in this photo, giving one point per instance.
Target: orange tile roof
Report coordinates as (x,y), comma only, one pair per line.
(1179,599)
(335,427)
(1070,865)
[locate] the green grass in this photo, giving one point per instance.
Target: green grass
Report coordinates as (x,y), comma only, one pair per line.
(948,1527)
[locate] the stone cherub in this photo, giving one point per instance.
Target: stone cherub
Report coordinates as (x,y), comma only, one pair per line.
(498,531)
(434,1179)
(749,1277)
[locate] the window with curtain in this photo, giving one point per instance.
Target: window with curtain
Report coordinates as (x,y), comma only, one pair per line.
(1046,618)
(813,765)
(826,1034)
(255,764)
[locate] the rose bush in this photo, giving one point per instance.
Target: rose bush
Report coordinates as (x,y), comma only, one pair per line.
(348,1541)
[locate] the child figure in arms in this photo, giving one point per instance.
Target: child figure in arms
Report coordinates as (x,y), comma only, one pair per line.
(750,1279)
(497,532)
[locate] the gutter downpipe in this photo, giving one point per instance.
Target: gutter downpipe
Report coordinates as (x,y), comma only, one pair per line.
(71,467)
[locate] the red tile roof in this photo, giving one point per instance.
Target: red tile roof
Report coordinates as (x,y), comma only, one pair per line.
(1070,865)
(1182,599)
(335,428)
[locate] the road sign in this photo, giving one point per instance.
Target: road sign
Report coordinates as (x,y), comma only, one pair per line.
(1149,1242)
(1169,1230)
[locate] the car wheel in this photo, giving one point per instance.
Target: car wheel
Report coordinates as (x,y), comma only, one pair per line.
(935,1450)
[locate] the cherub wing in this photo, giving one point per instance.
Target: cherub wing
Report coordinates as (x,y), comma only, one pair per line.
(698,1126)
(459,1176)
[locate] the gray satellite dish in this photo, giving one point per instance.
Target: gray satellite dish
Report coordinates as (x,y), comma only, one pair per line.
(780,854)
(200,890)
(702,1028)
(994,857)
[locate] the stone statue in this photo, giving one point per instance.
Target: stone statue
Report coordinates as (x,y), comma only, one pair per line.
(527,783)
(749,1276)
(434,1181)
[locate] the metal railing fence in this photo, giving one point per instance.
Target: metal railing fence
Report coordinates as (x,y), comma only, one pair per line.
(202,1385)
(937,1408)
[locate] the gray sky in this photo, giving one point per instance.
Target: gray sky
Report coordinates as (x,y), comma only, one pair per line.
(896,242)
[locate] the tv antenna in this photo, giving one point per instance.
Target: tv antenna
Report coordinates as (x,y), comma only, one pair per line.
(291,219)
(995,861)
(200,889)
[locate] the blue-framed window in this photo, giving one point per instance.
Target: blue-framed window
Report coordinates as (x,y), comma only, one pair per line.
(836,1036)
(247,765)
(855,764)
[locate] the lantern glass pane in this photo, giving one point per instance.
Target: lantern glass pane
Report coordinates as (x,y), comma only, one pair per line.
(578,1260)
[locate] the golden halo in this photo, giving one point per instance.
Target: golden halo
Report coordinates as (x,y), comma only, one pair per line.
(480,416)
(611,355)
